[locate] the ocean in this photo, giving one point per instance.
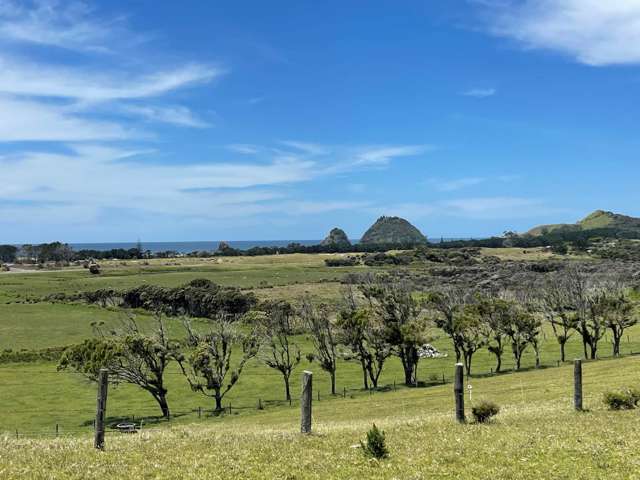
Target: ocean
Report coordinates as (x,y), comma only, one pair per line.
(188,247)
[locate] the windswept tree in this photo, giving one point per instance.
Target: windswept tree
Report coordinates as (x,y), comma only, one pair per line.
(405,329)
(585,299)
(556,306)
(278,349)
(324,334)
(448,303)
(363,334)
(495,314)
(522,330)
(131,356)
(470,329)
(214,365)
(621,315)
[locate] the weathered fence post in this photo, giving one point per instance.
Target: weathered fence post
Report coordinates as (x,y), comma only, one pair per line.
(458,392)
(103,383)
(577,384)
(305,402)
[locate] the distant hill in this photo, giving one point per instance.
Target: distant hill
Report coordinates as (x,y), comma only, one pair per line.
(388,230)
(336,238)
(597,220)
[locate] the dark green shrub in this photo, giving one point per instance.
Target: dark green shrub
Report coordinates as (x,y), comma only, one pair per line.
(626,399)
(375,446)
(484,411)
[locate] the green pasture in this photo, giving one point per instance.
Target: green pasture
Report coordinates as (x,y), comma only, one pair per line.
(536,435)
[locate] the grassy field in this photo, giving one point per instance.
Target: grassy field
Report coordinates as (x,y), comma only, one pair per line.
(35,397)
(536,435)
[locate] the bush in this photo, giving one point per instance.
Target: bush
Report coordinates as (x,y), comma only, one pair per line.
(341,262)
(484,411)
(626,399)
(375,446)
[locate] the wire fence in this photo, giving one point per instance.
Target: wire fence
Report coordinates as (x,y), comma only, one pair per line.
(148,416)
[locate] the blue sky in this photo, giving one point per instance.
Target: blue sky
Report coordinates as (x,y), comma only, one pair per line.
(197,120)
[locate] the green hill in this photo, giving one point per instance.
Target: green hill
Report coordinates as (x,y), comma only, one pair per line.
(388,230)
(597,220)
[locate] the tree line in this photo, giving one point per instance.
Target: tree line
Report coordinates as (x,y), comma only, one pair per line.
(377,318)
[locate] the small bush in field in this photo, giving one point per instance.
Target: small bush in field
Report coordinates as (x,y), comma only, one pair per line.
(484,411)
(375,446)
(626,399)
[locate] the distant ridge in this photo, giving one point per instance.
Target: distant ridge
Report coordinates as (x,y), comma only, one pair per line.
(600,219)
(388,230)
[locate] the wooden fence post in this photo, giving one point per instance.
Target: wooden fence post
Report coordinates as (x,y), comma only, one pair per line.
(577,384)
(305,402)
(103,382)
(458,392)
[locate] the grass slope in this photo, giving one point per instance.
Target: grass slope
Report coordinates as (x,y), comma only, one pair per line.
(537,435)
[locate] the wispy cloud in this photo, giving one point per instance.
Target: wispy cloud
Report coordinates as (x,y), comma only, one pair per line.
(593,32)
(306,147)
(382,155)
(21,77)
(23,120)
(476,208)
(174,115)
(479,92)
(63,24)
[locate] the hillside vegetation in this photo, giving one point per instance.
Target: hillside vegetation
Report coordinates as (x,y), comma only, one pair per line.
(597,220)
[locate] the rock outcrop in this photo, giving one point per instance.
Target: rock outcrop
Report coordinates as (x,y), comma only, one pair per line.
(336,238)
(393,230)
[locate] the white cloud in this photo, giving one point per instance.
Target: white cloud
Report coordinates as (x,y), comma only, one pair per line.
(64,24)
(22,120)
(174,115)
(306,147)
(479,92)
(40,80)
(478,208)
(382,155)
(593,32)
(102,177)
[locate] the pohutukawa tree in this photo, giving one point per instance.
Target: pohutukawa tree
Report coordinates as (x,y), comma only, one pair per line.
(405,329)
(214,365)
(362,332)
(131,356)
(278,350)
(324,334)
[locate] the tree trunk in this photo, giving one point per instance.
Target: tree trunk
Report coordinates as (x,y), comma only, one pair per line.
(409,371)
(562,352)
(218,398)
(161,398)
(333,382)
(364,374)
(467,362)
(498,363)
(616,345)
(287,391)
